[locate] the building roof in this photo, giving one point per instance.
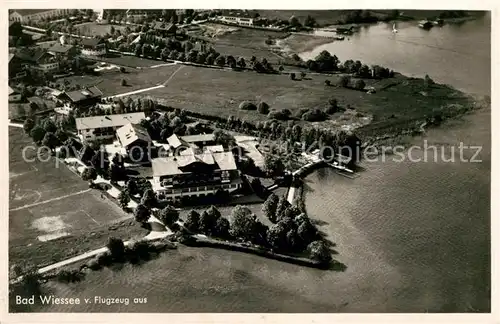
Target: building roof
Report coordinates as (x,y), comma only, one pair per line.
(214,149)
(175,142)
(164,26)
(12,91)
(91,42)
(27,12)
(31,55)
(173,165)
(199,138)
(57,47)
(130,133)
(109,120)
(83,94)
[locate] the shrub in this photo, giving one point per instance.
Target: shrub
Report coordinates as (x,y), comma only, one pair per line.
(283,114)
(359,84)
(246,105)
(344,81)
(123,82)
(69,276)
(116,248)
(319,251)
(314,115)
(94,265)
(122,69)
(292,76)
(327,83)
(263,108)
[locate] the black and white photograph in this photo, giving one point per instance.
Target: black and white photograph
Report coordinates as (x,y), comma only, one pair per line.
(172,160)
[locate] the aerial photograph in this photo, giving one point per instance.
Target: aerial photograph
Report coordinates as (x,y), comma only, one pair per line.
(249,161)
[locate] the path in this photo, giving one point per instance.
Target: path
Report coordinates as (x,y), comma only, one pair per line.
(172,75)
(135,92)
(15,124)
(50,200)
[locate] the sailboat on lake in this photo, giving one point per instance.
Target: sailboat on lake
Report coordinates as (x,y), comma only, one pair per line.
(394,30)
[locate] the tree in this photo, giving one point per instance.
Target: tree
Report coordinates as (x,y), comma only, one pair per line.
(28,125)
(246,105)
(281,208)
(123,82)
(294,22)
(327,83)
(169,215)
(263,108)
(221,228)
(359,84)
(208,219)
(302,75)
(243,223)
(50,141)
(116,248)
(269,207)
(273,165)
(310,22)
(220,61)
(428,81)
(61,135)
(149,198)
(49,125)
(306,231)
(123,199)
(192,222)
(241,63)
(319,251)
(89,174)
(141,213)
(344,81)
(276,236)
(292,76)
(231,61)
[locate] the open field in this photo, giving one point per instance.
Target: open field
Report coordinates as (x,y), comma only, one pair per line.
(109,82)
(50,206)
(128,60)
(247,42)
(301,43)
(95,29)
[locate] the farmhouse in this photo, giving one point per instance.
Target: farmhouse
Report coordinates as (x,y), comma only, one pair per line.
(104,127)
(33,15)
(135,139)
(165,29)
(38,59)
(60,51)
(94,47)
(81,98)
(195,175)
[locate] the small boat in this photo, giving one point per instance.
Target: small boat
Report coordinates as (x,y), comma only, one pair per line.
(425,24)
(394,30)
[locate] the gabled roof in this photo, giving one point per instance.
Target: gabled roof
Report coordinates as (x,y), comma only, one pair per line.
(130,133)
(175,142)
(88,93)
(109,120)
(164,26)
(57,47)
(12,91)
(199,138)
(173,165)
(31,55)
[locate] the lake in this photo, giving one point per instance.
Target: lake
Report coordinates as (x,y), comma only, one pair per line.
(415,237)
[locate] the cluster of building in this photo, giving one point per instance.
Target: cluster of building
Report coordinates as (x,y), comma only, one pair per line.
(34,15)
(185,166)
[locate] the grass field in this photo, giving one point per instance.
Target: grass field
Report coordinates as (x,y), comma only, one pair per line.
(129,61)
(50,206)
(95,29)
(109,82)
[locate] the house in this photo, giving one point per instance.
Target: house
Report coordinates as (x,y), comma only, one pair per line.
(135,140)
(93,47)
(14,96)
(60,51)
(17,67)
(192,143)
(165,29)
(197,175)
(38,59)
(81,98)
(243,21)
(34,15)
(104,127)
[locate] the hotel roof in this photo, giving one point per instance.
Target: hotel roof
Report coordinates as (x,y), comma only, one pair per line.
(172,165)
(109,120)
(130,133)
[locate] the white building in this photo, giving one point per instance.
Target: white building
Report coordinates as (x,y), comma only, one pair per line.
(25,15)
(104,127)
(237,20)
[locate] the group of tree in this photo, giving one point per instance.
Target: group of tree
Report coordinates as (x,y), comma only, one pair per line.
(209,222)
(46,132)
